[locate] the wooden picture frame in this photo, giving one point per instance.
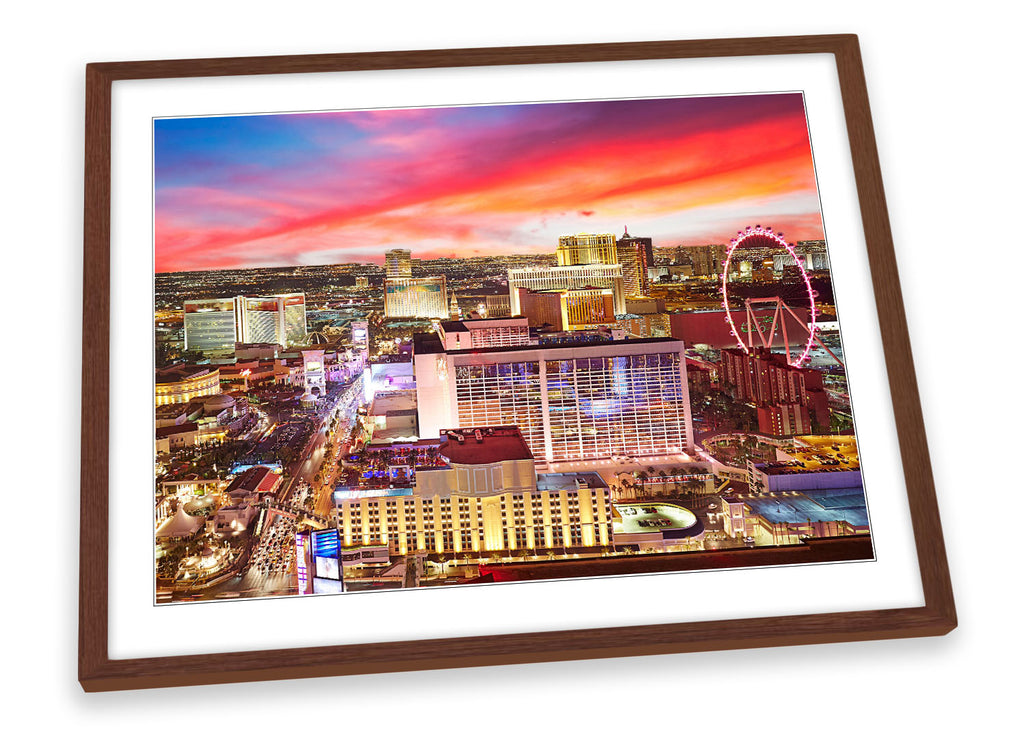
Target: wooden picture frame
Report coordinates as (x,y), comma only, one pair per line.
(99,672)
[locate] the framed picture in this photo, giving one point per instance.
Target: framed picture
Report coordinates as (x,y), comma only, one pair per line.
(434,359)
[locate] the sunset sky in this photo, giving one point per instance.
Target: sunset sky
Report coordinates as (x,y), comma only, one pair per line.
(322,188)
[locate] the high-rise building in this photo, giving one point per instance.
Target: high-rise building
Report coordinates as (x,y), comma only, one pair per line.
(707,260)
(362,282)
(539,279)
(635,277)
(582,309)
(784,420)
(279,318)
(497,305)
(569,401)
(644,248)
(767,380)
(541,308)
(398,263)
(586,248)
(423,297)
(215,325)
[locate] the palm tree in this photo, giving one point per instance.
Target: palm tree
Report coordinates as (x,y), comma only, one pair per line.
(642,476)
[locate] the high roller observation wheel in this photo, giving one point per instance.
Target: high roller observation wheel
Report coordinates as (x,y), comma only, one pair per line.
(765,236)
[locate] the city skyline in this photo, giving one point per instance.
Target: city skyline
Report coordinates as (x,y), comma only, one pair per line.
(316,188)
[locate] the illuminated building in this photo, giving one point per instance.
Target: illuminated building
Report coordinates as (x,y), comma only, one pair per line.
(176,437)
(813,462)
(645,245)
(423,297)
(318,562)
(586,248)
(313,375)
(645,325)
(254,484)
(813,261)
(767,380)
(636,255)
(362,282)
(815,254)
(541,308)
(582,309)
(360,335)
(540,279)
(707,260)
(785,517)
(487,333)
(183,383)
(570,401)
(784,420)
(655,527)
(278,318)
(398,263)
(568,309)
(487,498)
(497,305)
(215,325)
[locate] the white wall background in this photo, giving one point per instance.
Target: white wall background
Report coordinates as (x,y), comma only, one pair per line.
(944,89)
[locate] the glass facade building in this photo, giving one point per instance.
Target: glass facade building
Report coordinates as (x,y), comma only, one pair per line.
(586,248)
(215,325)
(539,279)
(424,297)
(570,402)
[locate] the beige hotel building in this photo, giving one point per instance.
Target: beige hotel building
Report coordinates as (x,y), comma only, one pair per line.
(488,498)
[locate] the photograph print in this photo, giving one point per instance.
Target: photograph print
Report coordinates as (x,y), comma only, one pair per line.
(404,348)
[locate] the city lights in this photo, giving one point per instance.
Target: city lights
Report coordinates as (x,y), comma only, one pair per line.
(434,376)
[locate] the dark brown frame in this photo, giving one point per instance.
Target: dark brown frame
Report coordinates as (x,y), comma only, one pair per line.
(97,672)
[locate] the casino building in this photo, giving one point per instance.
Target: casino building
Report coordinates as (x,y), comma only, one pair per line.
(215,325)
(184,383)
(487,498)
(572,401)
(540,279)
(423,297)
(586,248)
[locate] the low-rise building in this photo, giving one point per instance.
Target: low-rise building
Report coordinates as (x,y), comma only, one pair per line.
(254,484)
(780,518)
(491,332)
(177,384)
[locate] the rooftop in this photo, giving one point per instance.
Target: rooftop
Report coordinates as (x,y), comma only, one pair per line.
(427,343)
(388,402)
(473,446)
(261,479)
(172,374)
(169,430)
(796,507)
(570,481)
(451,326)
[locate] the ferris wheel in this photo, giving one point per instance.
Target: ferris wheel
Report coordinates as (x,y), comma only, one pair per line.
(763,320)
